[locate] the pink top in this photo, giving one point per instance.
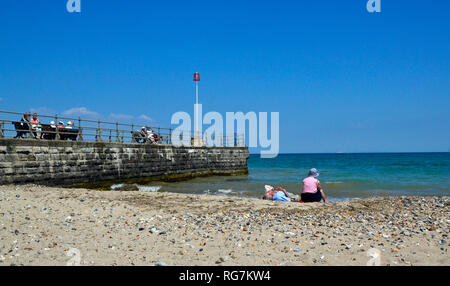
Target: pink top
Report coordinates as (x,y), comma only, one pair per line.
(310,185)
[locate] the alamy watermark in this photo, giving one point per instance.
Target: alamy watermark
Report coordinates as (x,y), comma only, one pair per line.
(376,257)
(75,255)
(73,6)
(217,134)
(373,6)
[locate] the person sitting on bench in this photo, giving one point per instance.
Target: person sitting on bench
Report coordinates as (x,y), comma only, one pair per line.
(36,126)
(24,124)
(143,132)
(48,131)
(151,135)
(70,125)
(61,126)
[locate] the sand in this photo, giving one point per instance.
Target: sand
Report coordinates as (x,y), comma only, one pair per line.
(46,226)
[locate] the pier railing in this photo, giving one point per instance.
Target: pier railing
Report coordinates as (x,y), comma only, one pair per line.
(11,126)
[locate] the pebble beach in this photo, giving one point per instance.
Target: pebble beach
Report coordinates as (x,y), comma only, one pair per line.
(50,226)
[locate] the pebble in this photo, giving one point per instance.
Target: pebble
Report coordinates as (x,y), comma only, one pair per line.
(221,260)
(160,263)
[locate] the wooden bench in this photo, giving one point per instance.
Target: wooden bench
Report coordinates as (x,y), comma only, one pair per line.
(49,133)
(68,134)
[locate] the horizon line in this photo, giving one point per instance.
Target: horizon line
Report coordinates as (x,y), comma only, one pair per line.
(369,152)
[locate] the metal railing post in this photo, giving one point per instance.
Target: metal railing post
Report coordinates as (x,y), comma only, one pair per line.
(80,129)
(57,137)
(2,126)
(132,135)
(117,132)
(159,136)
(30,130)
(100,139)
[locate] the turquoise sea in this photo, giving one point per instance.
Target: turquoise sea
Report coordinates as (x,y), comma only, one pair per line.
(343,176)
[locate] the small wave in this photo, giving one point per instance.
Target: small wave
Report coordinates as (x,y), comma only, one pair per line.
(149,189)
(218,192)
(115,187)
(335,200)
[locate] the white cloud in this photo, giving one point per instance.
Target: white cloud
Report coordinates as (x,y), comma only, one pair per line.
(145,117)
(117,116)
(81,111)
(43,111)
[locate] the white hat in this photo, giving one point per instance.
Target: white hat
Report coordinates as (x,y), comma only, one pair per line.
(52,122)
(69,123)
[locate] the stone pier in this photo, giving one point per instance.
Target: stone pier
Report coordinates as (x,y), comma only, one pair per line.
(99,164)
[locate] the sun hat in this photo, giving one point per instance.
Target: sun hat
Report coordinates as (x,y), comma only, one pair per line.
(314,173)
(52,122)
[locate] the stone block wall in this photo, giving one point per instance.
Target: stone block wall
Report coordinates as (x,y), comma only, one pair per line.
(68,163)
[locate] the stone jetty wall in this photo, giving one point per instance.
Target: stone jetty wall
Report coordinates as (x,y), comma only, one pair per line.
(98,164)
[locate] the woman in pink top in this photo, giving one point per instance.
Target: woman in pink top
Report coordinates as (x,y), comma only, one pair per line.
(312,191)
(36,126)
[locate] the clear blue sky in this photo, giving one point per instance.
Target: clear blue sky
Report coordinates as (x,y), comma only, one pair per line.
(343,79)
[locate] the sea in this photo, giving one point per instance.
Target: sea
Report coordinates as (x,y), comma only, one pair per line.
(343,176)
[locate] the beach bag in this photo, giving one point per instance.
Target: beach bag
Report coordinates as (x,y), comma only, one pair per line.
(294,197)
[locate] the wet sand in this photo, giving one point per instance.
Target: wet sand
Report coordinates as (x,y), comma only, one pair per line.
(40,225)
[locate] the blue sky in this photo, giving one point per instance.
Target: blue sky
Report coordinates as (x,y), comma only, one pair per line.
(343,79)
